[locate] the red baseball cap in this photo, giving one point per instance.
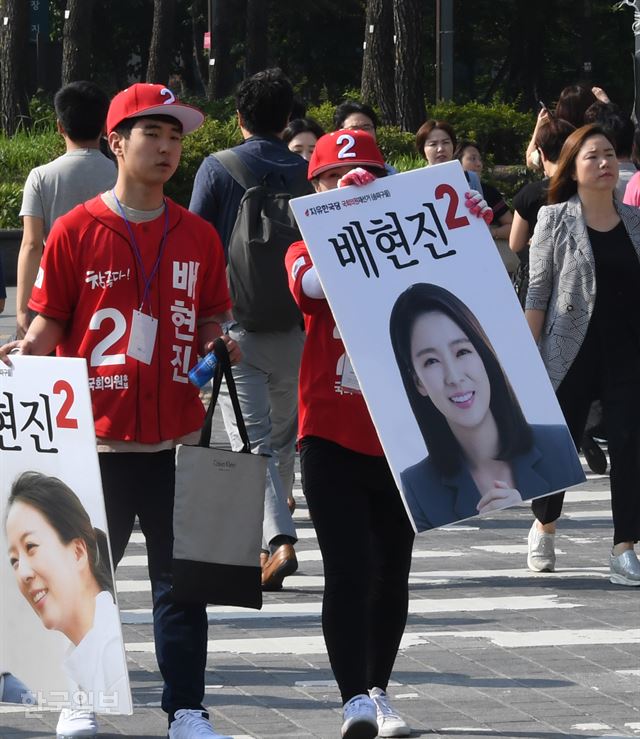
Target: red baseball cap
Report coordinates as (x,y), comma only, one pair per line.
(342,149)
(147,99)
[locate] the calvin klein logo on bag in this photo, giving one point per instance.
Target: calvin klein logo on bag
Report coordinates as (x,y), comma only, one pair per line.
(223,466)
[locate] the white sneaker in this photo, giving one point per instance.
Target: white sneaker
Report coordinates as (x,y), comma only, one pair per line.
(542,552)
(624,569)
(74,722)
(390,723)
(192,724)
(359,718)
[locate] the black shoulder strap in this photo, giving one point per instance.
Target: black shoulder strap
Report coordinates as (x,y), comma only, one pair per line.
(224,368)
(236,168)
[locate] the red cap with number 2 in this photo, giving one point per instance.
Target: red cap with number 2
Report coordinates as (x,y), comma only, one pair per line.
(345,148)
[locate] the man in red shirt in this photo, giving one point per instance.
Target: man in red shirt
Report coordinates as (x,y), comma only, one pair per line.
(136,285)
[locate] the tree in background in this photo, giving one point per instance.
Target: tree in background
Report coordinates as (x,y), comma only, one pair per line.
(76,41)
(161,49)
(14,36)
(256,56)
(377,86)
(409,72)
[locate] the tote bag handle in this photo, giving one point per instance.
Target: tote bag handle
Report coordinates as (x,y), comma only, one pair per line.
(224,368)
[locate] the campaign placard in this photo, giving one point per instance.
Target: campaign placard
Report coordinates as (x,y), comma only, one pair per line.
(439,345)
(60,634)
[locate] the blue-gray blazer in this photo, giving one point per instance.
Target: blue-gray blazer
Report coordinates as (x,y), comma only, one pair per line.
(435,499)
(562,279)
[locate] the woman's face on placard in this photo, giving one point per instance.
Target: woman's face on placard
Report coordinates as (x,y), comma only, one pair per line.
(48,572)
(449,370)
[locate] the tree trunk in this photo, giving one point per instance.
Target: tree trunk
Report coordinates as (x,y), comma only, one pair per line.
(221,71)
(257,36)
(14,39)
(161,47)
(76,41)
(407,22)
(378,63)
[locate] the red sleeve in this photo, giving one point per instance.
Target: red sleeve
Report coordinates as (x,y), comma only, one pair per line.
(214,297)
(55,292)
(298,261)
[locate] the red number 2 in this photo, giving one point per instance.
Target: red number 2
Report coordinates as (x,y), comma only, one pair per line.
(62,420)
(452,220)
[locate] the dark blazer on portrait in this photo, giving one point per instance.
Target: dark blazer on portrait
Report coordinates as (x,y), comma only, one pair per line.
(435,499)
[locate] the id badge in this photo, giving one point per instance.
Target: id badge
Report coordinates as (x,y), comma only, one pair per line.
(142,339)
(349,380)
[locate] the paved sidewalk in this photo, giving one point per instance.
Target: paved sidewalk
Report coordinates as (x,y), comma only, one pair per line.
(490,650)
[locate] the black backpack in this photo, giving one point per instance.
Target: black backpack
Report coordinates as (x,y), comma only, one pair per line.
(264,229)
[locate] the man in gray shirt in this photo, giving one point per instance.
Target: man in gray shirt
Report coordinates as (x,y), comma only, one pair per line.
(55,188)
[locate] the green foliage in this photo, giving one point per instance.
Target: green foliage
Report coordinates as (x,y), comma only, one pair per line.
(323,113)
(26,150)
(10,201)
(501,131)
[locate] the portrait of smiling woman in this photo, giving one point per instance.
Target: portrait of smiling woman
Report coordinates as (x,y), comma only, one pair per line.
(62,569)
(483,455)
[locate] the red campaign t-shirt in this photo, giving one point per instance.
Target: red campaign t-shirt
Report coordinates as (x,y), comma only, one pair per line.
(328,407)
(90,277)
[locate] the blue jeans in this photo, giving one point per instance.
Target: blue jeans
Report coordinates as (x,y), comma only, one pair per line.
(143,485)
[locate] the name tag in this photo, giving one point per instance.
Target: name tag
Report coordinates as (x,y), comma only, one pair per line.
(142,339)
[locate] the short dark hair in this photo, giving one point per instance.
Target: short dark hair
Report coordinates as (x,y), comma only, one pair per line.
(349,107)
(302,125)
(514,433)
(612,119)
(124,127)
(426,128)
(65,513)
(551,137)
(562,185)
(264,102)
(81,108)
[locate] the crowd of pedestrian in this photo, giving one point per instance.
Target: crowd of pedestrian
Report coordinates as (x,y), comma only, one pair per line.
(577,274)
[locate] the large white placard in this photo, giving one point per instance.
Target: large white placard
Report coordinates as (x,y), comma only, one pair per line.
(408,241)
(60,632)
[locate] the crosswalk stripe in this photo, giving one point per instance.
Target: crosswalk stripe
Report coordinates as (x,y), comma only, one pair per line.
(304,645)
(416,606)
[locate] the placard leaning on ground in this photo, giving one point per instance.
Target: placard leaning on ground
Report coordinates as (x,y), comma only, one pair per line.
(438,345)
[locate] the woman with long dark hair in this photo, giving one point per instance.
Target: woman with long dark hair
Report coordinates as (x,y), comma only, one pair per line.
(62,569)
(483,455)
(582,307)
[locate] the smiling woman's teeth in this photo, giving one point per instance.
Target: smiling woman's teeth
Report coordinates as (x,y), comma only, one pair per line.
(39,596)
(462,398)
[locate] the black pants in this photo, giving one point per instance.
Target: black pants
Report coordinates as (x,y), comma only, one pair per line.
(366,540)
(589,378)
(143,484)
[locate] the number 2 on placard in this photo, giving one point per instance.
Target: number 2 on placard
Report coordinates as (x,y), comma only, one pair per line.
(452,220)
(99,356)
(62,419)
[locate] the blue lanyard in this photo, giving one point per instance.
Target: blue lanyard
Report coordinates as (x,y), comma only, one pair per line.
(136,249)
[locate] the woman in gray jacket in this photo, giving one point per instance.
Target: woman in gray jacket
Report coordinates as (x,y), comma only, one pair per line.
(583,308)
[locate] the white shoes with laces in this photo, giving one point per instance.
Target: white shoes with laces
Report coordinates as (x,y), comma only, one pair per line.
(541,550)
(359,718)
(74,722)
(390,723)
(192,724)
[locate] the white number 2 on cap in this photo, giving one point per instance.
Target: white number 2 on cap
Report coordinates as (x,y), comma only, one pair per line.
(345,152)
(172,97)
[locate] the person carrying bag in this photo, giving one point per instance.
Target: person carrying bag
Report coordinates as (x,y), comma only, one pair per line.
(218,512)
